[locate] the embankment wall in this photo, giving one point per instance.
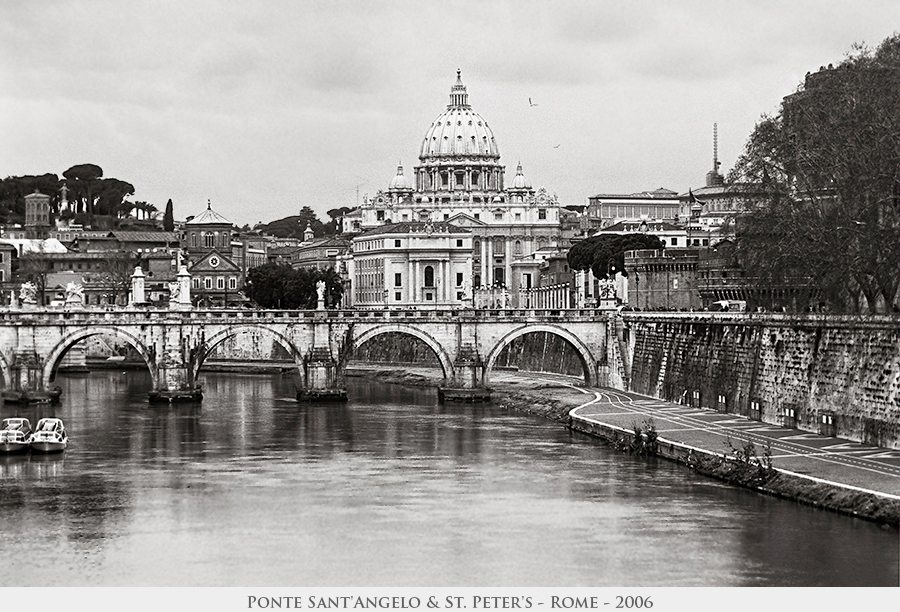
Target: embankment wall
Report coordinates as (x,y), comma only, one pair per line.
(824,374)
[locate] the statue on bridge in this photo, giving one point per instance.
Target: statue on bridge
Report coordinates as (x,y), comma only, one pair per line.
(28,293)
(320,291)
(74,294)
(174,291)
(607,289)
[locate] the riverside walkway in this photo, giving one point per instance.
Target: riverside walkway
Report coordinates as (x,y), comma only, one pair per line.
(829,460)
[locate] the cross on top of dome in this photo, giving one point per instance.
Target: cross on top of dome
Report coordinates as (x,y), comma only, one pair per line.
(458,96)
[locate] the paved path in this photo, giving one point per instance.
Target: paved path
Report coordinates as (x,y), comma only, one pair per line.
(834,460)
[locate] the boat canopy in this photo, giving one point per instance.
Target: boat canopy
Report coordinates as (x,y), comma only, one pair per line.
(50,425)
(16,424)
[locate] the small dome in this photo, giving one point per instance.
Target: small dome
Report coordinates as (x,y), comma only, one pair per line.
(401,182)
(519,181)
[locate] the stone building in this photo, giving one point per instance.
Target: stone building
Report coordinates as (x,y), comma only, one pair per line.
(412,264)
(663,279)
(460,180)
(37,216)
(604,210)
(216,279)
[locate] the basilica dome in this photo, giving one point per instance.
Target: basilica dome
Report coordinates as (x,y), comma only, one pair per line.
(459,131)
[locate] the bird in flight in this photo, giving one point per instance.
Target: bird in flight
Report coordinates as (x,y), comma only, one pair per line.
(530,103)
(556,147)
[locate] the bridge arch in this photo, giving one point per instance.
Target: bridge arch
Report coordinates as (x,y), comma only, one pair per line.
(434,345)
(73,338)
(588,362)
(218,338)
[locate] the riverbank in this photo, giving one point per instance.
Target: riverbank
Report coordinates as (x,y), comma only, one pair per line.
(744,465)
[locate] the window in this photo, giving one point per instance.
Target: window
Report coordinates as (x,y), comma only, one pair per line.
(207,282)
(477,216)
(398,296)
(518,216)
(220,282)
(209,240)
(517,248)
(429,276)
(542,213)
(459,296)
(193,239)
(405,217)
(398,279)
(195,283)
(674,241)
(476,280)
(2,278)
(446,216)
(396,244)
(459,243)
(498,276)
(498,216)
(459,279)
(232,282)
(429,296)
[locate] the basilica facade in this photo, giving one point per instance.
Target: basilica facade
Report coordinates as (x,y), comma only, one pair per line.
(460,181)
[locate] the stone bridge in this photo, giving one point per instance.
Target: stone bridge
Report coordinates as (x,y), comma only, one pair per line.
(176,343)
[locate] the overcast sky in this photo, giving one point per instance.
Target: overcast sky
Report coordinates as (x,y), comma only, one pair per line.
(266,106)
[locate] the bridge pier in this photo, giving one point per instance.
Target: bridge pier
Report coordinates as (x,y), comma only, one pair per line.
(468,379)
(26,384)
(174,381)
(321,377)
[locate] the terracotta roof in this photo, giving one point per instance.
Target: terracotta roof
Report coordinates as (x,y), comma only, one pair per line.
(128,236)
(208,217)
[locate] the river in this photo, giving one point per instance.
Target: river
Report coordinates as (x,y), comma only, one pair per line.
(391,489)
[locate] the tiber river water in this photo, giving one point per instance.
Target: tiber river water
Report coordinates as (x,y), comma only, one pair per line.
(392,489)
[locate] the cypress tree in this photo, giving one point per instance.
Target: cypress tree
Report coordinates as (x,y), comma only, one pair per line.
(168,218)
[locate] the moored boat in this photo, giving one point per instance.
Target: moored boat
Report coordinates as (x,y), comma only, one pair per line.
(49,436)
(15,434)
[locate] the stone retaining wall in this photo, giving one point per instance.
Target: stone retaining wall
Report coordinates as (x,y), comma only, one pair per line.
(832,375)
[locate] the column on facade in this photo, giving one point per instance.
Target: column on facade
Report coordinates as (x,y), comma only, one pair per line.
(409,279)
(488,247)
(415,281)
(507,273)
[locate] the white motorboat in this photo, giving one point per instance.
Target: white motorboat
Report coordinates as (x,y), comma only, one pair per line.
(49,436)
(15,434)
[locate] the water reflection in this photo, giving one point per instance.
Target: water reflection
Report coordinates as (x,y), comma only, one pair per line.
(392,488)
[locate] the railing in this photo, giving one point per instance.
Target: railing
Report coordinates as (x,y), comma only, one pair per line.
(766,318)
(102,316)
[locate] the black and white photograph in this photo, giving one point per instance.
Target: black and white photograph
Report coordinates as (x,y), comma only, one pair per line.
(413,305)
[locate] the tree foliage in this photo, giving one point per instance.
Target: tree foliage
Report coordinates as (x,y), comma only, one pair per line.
(13,190)
(829,165)
(294,226)
(279,286)
(605,253)
(169,217)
